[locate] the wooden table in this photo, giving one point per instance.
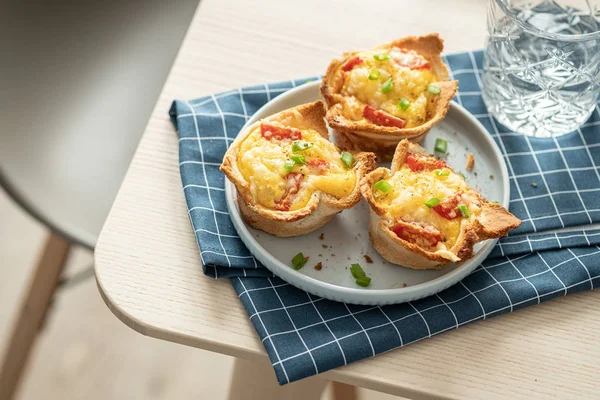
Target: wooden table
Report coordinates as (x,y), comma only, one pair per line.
(147,261)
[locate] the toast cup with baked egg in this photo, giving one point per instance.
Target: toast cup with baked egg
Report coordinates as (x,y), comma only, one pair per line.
(424,215)
(396,90)
(290,178)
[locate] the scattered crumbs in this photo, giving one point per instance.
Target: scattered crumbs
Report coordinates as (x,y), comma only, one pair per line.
(331,247)
(491,176)
(533,184)
(470,161)
(320,255)
(348,258)
(322,236)
(383,262)
(327,259)
(358,234)
(319,266)
(368,259)
(324,246)
(404,285)
(475,173)
(332,255)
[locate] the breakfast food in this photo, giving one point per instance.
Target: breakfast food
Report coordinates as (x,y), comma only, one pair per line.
(380,96)
(424,215)
(290,179)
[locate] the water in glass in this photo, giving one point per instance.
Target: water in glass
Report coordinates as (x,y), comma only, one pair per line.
(541,65)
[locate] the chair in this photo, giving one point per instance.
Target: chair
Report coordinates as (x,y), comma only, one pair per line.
(83,80)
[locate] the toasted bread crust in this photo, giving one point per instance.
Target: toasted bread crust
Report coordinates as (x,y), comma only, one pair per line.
(321,207)
(364,135)
(492,222)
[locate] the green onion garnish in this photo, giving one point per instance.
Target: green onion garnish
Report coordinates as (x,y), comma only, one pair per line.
(403,104)
(440,172)
(364,281)
(441,146)
(288,165)
(298,159)
(359,274)
(433,89)
(347,159)
(357,271)
(298,261)
(373,76)
(387,85)
(494,202)
(464,210)
(382,56)
(383,186)
(434,201)
(301,145)
(462,176)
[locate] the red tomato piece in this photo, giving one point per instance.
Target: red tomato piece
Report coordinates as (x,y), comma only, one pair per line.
(447,209)
(419,162)
(351,63)
(269,131)
(318,165)
(422,235)
(382,118)
(294,180)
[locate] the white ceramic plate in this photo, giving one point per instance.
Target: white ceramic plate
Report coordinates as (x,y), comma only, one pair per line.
(346,235)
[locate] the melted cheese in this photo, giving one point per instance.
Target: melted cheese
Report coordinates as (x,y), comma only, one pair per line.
(261,162)
(411,84)
(410,190)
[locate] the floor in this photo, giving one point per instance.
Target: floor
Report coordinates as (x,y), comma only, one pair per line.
(86,352)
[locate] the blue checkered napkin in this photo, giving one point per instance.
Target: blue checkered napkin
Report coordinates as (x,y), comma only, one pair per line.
(555,184)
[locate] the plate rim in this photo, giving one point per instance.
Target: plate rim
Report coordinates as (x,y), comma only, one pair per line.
(363,296)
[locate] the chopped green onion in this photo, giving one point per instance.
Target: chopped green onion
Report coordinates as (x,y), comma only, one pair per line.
(298,261)
(464,210)
(387,85)
(403,104)
(359,274)
(494,202)
(364,281)
(462,176)
(382,56)
(383,186)
(373,76)
(441,146)
(298,159)
(434,201)
(347,159)
(301,145)
(288,165)
(433,89)
(357,271)
(491,176)
(439,172)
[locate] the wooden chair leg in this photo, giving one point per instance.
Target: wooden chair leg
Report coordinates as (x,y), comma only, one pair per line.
(343,391)
(32,313)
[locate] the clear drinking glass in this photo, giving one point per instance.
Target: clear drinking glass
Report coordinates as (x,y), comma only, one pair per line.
(542,64)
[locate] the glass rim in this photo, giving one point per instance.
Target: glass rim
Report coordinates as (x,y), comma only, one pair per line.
(554,36)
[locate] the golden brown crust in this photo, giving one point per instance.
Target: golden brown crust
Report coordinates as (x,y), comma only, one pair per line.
(321,206)
(364,135)
(493,221)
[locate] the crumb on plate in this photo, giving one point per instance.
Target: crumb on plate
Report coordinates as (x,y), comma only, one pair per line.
(470,161)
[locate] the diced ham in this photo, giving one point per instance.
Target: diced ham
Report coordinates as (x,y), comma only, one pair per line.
(447,209)
(379,117)
(426,236)
(419,162)
(411,60)
(270,132)
(293,182)
(318,165)
(351,63)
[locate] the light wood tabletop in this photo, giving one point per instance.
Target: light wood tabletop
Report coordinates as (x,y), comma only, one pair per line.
(147,262)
